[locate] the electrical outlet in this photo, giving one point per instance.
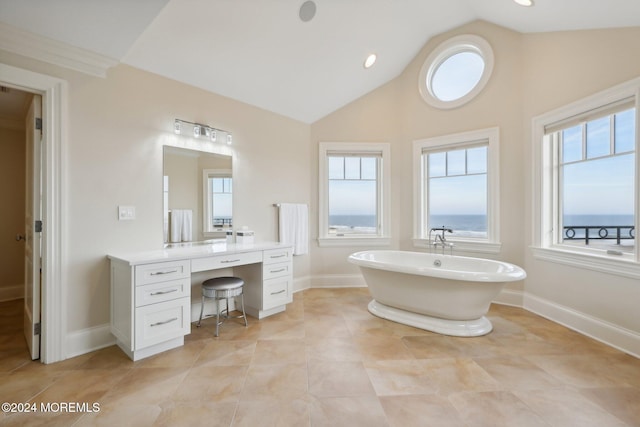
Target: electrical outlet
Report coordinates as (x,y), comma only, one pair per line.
(126,213)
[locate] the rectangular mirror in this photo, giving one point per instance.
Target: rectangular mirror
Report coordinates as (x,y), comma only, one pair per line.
(197,195)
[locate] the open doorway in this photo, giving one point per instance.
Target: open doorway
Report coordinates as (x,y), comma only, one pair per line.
(53,332)
(18,109)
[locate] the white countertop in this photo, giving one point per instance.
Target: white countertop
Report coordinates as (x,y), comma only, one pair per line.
(195,250)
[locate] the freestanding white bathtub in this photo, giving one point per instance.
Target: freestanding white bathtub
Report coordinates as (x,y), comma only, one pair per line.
(441,293)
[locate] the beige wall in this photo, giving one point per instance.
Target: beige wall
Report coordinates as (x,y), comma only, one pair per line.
(396,113)
(117,126)
(12,194)
(533,73)
(561,68)
(116,129)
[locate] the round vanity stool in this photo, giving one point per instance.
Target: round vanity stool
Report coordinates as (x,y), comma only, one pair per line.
(220,288)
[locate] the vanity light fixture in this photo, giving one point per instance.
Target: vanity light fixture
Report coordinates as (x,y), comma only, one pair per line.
(525,3)
(182,127)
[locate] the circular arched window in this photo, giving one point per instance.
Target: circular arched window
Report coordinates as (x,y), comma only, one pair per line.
(456,71)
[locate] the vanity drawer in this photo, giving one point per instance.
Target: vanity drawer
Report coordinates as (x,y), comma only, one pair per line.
(275,292)
(274,256)
(222,261)
(163,291)
(162,272)
(161,322)
(270,271)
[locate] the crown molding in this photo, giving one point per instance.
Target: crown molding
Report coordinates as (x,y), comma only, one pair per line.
(34,46)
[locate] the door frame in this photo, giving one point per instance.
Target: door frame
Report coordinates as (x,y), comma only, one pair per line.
(54,289)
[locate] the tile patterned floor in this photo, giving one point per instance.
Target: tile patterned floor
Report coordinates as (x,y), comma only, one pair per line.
(327,362)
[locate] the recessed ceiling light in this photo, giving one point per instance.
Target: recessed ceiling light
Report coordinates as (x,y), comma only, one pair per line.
(526,3)
(371,59)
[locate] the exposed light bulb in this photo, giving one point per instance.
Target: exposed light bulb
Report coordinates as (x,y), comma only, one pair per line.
(214,135)
(177,127)
(229,139)
(525,3)
(196,131)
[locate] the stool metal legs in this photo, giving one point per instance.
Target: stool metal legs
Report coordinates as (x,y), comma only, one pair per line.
(225,313)
(201,311)
(244,315)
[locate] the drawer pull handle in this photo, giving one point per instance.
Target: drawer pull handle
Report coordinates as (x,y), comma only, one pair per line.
(158,273)
(278,271)
(279,292)
(227,261)
(164,323)
(163,292)
(278,256)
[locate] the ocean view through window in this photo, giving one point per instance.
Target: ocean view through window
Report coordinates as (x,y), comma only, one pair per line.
(354,199)
(584,198)
(457,187)
(596,182)
(353,195)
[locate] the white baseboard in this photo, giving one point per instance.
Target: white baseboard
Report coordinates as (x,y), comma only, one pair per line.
(301,283)
(12,292)
(598,329)
(338,281)
(510,297)
(88,340)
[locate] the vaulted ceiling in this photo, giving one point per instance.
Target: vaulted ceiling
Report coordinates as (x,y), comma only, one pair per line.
(262,53)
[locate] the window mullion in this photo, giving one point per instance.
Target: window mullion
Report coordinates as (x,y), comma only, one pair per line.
(612,135)
(584,141)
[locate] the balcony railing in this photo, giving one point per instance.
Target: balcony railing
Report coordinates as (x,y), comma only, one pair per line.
(599,232)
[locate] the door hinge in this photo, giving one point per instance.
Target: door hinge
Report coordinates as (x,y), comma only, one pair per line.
(36,328)
(38,123)
(38,226)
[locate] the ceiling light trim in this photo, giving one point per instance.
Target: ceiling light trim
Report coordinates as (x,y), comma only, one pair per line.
(54,52)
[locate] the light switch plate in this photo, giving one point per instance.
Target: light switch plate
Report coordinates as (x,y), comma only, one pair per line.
(126,213)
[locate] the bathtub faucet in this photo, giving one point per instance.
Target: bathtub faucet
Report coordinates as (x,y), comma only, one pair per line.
(440,239)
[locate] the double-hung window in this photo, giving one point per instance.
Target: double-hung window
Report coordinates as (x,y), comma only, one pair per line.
(354,193)
(586,184)
(456,188)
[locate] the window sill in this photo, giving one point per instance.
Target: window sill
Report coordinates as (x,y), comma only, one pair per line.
(353,241)
(618,266)
(465,246)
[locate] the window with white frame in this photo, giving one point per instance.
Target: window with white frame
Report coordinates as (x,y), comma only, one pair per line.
(456,71)
(586,182)
(354,193)
(218,199)
(456,187)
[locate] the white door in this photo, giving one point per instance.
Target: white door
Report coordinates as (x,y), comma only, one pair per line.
(33,227)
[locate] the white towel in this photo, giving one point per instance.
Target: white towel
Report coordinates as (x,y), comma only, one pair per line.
(181,225)
(187,225)
(176,221)
(294,227)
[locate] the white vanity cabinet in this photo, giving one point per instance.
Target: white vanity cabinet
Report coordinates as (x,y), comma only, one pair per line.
(150,306)
(276,276)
